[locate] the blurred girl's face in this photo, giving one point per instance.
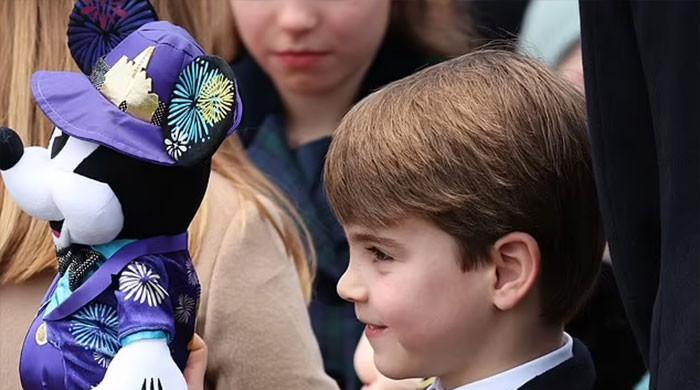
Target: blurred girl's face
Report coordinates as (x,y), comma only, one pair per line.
(312,47)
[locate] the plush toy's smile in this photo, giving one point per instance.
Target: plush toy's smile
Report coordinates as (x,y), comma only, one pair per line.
(56,227)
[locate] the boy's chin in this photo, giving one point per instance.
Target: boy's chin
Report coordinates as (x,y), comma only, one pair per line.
(396,368)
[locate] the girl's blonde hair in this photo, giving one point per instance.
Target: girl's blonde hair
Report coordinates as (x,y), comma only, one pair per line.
(252,187)
(30,41)
(439,28)
(33,39)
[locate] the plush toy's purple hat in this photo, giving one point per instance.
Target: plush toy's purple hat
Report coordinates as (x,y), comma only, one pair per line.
(154,95)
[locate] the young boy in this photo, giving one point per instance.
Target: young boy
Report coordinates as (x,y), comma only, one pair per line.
(467,196)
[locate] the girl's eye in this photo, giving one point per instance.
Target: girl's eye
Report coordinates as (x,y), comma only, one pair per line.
(379,255)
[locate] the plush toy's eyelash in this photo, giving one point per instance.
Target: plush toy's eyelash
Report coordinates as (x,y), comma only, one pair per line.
(58,144)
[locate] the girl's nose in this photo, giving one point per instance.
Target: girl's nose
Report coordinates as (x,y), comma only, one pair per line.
(298,16)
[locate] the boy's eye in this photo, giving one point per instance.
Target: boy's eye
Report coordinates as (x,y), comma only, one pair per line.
(379,255)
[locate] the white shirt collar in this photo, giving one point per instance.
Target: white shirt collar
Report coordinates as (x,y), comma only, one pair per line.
(518,376)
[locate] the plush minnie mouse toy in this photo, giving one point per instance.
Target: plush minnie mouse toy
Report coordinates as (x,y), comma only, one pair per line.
(123,176)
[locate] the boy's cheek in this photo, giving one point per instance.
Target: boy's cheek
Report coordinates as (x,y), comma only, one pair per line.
(415,334)
(406,318)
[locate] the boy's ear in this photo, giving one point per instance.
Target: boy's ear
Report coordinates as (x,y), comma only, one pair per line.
(516,262)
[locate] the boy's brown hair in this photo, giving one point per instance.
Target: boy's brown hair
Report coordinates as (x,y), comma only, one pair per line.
(482,145)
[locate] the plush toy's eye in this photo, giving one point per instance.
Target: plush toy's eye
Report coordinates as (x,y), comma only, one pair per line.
(58,143)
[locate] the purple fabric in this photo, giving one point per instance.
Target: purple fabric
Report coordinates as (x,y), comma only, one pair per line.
(102,279)
(84,332)
(41,366)
(175,48)
(135,316)
(73,104)
(73,109)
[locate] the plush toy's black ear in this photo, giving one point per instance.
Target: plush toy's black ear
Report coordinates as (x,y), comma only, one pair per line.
(202,109)
(97,26)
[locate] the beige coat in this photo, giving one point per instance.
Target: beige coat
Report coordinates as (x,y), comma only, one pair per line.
(18,306)
(252,314)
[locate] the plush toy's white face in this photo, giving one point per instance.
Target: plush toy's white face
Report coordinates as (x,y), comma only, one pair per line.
(45,185)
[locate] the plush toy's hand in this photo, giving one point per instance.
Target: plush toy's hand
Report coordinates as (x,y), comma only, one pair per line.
(143,365)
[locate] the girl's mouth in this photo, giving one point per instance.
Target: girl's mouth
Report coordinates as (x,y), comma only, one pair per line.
(300,60)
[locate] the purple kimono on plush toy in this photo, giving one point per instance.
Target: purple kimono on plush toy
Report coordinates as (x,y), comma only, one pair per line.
(126,169)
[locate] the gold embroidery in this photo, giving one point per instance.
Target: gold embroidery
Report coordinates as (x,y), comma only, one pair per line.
(127,84)
(42,334)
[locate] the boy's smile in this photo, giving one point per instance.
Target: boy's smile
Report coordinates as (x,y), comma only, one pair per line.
(373,331)
(416,301)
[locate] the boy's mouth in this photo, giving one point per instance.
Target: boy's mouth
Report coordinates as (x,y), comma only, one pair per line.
(56,227)
(374,331)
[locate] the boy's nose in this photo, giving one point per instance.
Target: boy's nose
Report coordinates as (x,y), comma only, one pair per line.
(11,148)
(350,287)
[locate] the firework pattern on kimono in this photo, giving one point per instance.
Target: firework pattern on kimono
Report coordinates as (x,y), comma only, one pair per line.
(96,327)
(89,338)
(144,302)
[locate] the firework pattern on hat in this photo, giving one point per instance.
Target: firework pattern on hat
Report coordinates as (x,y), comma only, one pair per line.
(201,109)
(97,26)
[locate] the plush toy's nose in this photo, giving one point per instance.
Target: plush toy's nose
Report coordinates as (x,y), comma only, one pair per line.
(11,148)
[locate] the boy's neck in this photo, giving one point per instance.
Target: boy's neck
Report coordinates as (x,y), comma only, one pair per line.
(509,346)
(310,117)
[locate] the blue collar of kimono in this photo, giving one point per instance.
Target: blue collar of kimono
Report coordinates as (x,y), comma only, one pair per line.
(121,253)
(63,290)
(108,250)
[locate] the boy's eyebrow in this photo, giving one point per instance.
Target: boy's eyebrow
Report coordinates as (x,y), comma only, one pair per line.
(367,237)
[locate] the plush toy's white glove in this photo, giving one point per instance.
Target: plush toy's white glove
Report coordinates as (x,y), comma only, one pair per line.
(143,365)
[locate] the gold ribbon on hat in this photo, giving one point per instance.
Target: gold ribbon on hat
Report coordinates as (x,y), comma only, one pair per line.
(127,85)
